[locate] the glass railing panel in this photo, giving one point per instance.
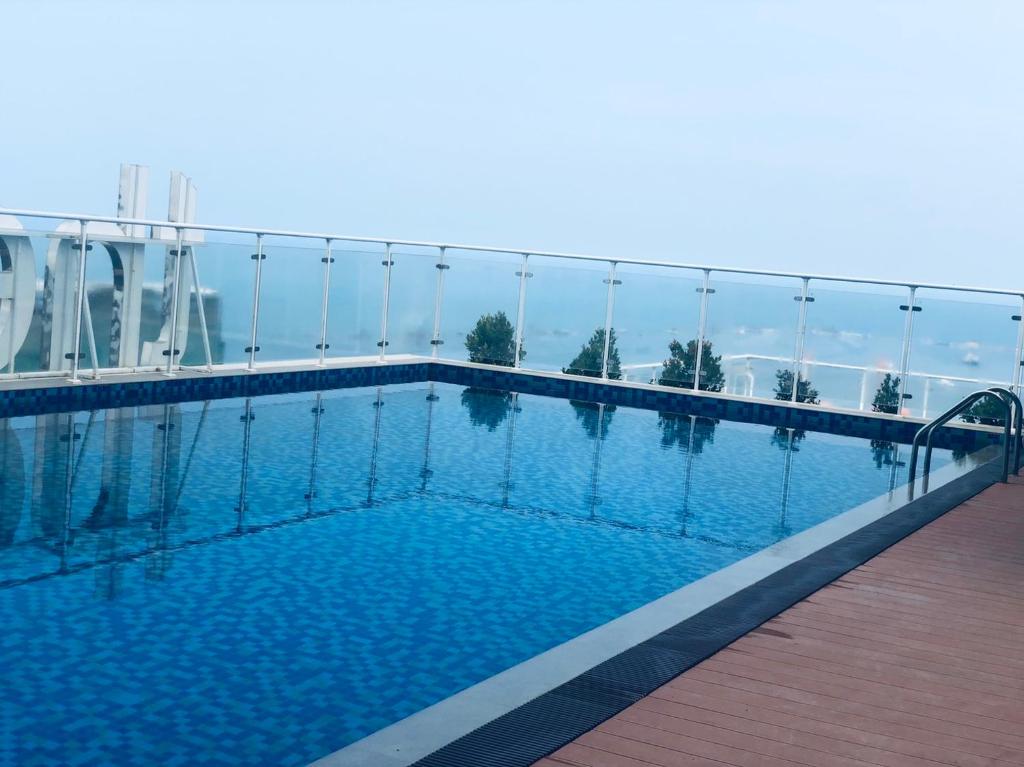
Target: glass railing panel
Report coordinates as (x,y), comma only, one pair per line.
(35,332)
(751,327)
(854,337)
(481,299)
(565,317)
(227,275)
(961,342)
(291,300)
(411,308)
(655,308)
(356,301)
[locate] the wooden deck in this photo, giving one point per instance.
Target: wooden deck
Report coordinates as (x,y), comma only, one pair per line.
(915,658)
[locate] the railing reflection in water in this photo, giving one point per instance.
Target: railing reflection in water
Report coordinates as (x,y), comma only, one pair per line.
(98,491)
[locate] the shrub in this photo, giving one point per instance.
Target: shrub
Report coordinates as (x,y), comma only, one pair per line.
(588,362)
(679,367)
(887,398)
(784,388)
(493,341)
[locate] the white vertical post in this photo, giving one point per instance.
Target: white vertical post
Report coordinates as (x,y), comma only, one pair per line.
(90,335)
(801,334)
(258,257)
(863,390)
(172,342)
(924,399)
(201,309)
(705,292)
(15,257)
(908,331)
(436,340)
(388,263)
(1019,358)
(83,243)
(328,259)
(608,314)
(521,312)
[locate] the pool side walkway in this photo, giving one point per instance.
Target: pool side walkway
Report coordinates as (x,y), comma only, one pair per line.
(914,658)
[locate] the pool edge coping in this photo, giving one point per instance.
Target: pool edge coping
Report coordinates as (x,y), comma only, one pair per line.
(529,710)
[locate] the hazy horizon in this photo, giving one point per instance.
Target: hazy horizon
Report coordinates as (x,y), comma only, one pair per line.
(867,139)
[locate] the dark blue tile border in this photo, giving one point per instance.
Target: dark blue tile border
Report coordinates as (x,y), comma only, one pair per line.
(89,396)
(765,412)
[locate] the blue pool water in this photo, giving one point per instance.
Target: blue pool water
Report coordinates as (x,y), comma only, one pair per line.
(264,582)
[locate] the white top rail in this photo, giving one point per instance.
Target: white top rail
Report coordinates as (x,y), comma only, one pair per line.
(185,226)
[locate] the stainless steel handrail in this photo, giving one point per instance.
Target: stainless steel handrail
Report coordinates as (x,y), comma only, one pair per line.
(189,226)
(1018,423)
(926,432)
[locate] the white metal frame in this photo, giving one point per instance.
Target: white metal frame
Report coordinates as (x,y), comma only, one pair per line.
(81,310)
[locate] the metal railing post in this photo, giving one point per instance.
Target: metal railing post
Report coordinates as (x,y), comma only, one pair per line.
(1018,362)
(436,340)
(1018,422)
(801,334)
(908,331)
(83,244)
(14,312)
(200,308)
(328,259)
(608,315)
(258,258)
(90,336)
(172,342)
(523,275)
(388,262)
(705,291)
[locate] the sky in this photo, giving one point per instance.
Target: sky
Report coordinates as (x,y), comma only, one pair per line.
(877,139)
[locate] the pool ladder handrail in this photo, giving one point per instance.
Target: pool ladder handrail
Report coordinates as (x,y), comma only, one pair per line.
(1014,412)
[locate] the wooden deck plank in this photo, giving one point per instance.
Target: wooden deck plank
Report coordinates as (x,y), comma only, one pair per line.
(914,659)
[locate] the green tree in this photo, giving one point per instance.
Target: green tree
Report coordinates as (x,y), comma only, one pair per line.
(676,428)
(589,361)
(679,367)
(487,407)
(590,415)
(887,398)
(987,411)
(784,388)
(493,341)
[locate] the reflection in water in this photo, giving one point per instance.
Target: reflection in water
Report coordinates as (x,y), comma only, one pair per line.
(247,418)
(596,417)
(882,452)
(87,514)
(12,483)
(487,407)
(510,438)
(318,414)
(788,439)
(689,432)
(371,481)
(426,472)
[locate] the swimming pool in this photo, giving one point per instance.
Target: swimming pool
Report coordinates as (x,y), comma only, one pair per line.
(266,581)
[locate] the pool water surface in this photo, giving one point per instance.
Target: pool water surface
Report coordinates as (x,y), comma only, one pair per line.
(265,581)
